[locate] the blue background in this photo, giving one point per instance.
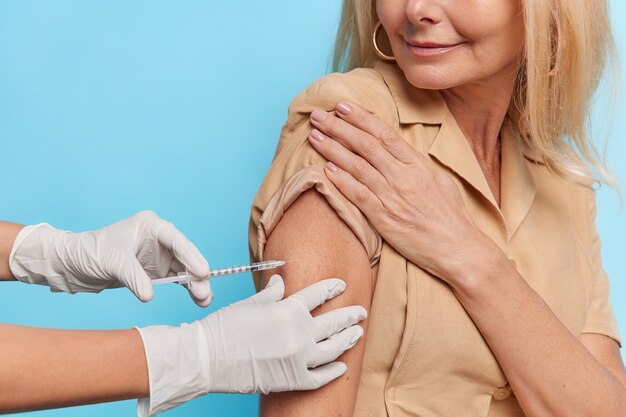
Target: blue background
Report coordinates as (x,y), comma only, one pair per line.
(108,108)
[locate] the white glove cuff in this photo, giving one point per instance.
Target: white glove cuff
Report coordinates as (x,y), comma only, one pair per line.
(27,257)
(178,369)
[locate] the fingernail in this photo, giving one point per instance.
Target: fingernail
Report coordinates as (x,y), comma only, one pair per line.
(146,293)
(340,286)
(317,135)
(318,116)
(343,108)
(209,300)
(331,167)
(273,280)
(356,336)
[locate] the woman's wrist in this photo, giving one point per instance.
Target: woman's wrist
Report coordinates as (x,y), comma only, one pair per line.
(483,262)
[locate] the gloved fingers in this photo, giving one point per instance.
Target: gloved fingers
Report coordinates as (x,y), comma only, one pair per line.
(333,347)
(131,274)
(334,321)
(324,374)
(200,292)
(182,249)
(273,291)
(175,267)
(316,294)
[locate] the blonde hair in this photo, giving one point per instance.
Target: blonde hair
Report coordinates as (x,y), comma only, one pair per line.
(567,48)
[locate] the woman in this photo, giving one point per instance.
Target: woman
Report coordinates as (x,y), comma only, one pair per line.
(466,199)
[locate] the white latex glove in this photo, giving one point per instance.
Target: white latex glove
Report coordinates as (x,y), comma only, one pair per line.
(261,344)
(128,253)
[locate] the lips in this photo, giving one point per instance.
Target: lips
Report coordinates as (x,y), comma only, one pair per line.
(432,44)
(430,49)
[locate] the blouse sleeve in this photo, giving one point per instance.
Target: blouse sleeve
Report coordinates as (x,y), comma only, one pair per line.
(297,167)
(600,317)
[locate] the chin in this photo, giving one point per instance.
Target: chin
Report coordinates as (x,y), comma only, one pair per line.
(431,78)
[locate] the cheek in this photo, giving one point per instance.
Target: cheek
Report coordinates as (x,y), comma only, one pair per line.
(391,13)
(500,44)
(490,22)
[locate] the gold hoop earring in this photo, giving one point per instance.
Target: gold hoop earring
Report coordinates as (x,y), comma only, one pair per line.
(377,49)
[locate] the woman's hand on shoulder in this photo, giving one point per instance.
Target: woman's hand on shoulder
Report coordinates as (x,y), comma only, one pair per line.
(415,207)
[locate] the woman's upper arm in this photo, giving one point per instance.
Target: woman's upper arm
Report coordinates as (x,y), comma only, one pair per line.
(320,245)
(607,352)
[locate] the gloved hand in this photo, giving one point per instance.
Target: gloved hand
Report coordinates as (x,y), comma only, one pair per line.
(261,344)
(128,253)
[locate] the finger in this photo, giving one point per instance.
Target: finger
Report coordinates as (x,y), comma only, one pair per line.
(324,374)
(132,275)
(355,191)
(273,291)
(200,291)
(336,320)
(183,250)
(356,140)
(333,347)
(316,294)
(362,170)
(379,129)
(175,267)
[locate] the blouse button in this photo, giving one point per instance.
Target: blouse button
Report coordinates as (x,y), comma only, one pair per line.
(502,393)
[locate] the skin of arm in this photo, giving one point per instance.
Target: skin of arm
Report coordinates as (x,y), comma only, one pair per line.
(550,370)
(8,233)
(47,368)
(320,245)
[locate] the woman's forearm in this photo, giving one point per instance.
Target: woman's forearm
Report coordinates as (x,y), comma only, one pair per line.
(46,368)
(550,371)
(8,233)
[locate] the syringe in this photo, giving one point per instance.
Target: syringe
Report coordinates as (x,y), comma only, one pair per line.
(185,277)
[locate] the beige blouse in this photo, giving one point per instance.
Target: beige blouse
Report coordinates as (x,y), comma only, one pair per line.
(424,355)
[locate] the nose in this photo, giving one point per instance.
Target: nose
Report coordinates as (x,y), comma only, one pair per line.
(424,12)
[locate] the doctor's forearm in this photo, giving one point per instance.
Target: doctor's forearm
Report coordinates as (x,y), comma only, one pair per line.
(550,371)
(8,233)
(46,368)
